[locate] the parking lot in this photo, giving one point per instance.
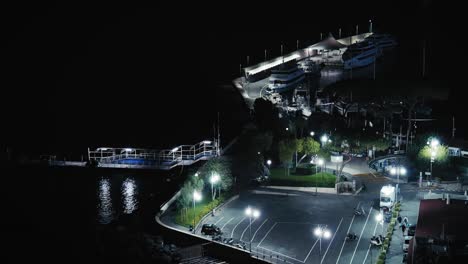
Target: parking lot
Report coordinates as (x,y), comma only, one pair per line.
(284,231)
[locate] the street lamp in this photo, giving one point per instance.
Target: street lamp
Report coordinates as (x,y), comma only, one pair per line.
(397,170)
(312,133)
(255,214)
(196,197)
(324,139)
(379,219)
(433,143)
(214,179)
(320,232)
(196,174)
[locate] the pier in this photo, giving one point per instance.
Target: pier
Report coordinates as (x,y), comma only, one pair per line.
(138,158)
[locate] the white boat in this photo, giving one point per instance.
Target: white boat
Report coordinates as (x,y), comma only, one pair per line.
(360,54)
(310,67)
(286,77)
(383,41)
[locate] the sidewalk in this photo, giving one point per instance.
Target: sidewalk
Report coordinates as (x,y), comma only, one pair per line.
(395,253)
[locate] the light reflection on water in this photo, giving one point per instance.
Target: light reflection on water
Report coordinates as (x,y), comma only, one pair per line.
(105,211)
(129,196)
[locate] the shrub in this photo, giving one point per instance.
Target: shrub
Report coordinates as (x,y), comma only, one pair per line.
(380,261)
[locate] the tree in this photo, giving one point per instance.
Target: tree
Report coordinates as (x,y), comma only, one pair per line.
(185,198)
(286,149)
(440,154)
(223,168)
(309,147)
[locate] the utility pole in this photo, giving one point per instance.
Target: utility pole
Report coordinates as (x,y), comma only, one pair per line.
(339,33)
(219,139)
(297,45)
(375,61)
(424,60)
(453,127)
(265,55)
(357,29)
(247,60)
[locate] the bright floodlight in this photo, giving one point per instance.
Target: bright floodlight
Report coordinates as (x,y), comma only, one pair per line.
(269,162)
(329,141)
(214,178)
(393,171)
(433,153)
(320,161)
(324,138)
(206,142)
(311,161)
(379,217)
(402,170)
(326,234)
(128,150)
(312,133)
(256,213)
(196,174)
(318,231)
(287,128)
(434,142)
(174,149)
(248,211)
(196,196)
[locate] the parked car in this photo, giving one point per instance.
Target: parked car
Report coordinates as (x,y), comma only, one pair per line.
(411,230)
(210,229)
(406,243)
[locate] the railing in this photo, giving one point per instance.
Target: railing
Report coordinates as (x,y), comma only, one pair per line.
(167,158)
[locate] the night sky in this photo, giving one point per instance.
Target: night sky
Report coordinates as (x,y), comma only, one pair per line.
(122,74)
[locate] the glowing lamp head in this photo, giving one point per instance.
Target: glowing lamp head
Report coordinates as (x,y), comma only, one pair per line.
(248,211)
(320,162)
(256,213)
(318,231)
(326,234)
(197,196)
(214,178)
(324,138)
(269,162)
(312,133)
(379,217)
(402,171)
(434,143)
(393,171)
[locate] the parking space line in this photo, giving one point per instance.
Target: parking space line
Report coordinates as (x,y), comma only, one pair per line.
(360,236)
(331,241)
(271,228)
(375,228)
(258,229)
(227,223)
(277,253)
(219,220)
(347,232)
(246,230)
(232,232)
(310,251)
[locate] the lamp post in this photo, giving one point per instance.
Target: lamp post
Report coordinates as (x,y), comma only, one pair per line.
(379,219)
(268,163)
(320,162)
(255,214)
(433,143)
(213,180)
(397,170)
(196,197)
(324,139)
(320,232)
